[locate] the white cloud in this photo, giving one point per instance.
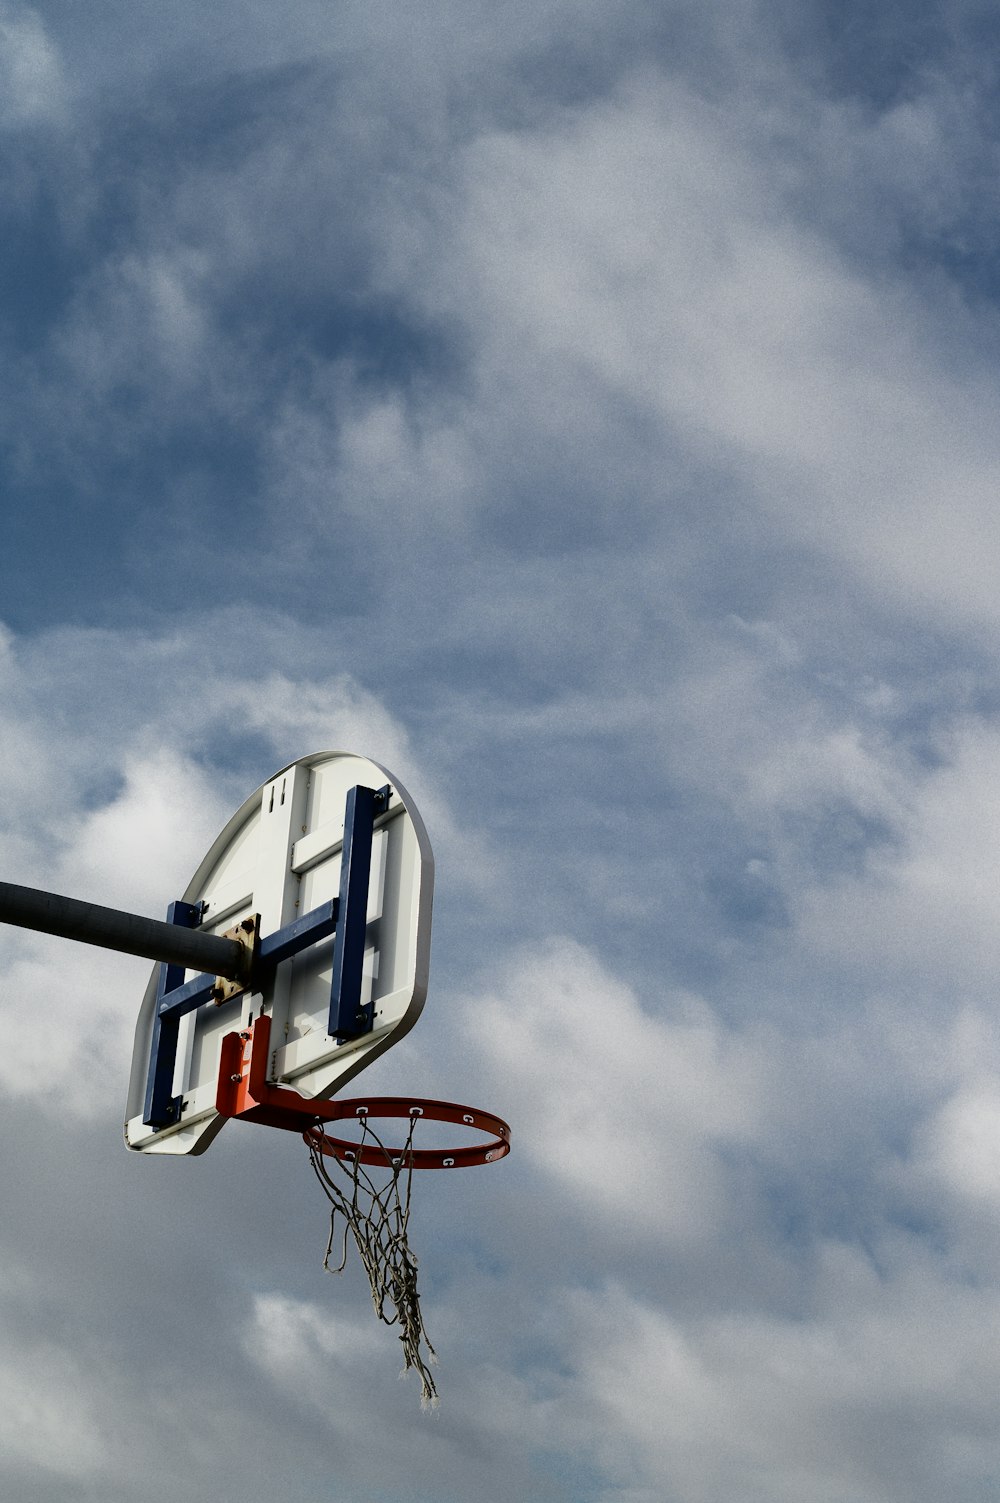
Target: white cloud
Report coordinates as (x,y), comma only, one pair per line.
(624,1107)
(32,86)
(649,248)
(141,320)
(300,1347)
(122,852)
(333,1369)
(389,457)
(883,1388)
(930,906)
(741,726)
(47,1422)
(960,1145)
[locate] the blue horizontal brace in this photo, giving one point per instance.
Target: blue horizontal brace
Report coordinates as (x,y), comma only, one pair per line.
(185,998)
(319,923)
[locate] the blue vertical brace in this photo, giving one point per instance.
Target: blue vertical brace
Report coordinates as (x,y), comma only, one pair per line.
(348,1019)
(162,1107)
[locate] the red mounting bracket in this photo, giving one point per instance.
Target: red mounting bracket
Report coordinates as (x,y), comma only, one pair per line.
(245,1091)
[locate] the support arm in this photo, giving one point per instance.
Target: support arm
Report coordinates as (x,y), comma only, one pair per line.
(112,929)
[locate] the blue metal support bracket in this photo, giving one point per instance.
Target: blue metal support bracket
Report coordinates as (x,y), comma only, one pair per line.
(348,1017)
(162,1107)
(319,923)
(345,917)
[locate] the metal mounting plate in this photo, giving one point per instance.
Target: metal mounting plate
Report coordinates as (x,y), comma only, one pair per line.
(247,934)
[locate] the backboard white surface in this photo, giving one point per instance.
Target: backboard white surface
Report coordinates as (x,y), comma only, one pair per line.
(279,856)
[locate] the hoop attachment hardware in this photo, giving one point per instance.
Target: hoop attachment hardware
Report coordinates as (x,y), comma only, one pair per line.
(244,1091)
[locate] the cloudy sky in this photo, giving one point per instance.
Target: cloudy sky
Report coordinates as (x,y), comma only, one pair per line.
(590,412)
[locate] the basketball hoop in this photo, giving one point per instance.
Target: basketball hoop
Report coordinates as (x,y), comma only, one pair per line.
(413,1109)
(375,1211)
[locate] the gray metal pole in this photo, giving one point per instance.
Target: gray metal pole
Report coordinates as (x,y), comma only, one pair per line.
(112,929)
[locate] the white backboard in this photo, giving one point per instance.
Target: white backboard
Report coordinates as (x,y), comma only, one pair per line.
(280,857)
